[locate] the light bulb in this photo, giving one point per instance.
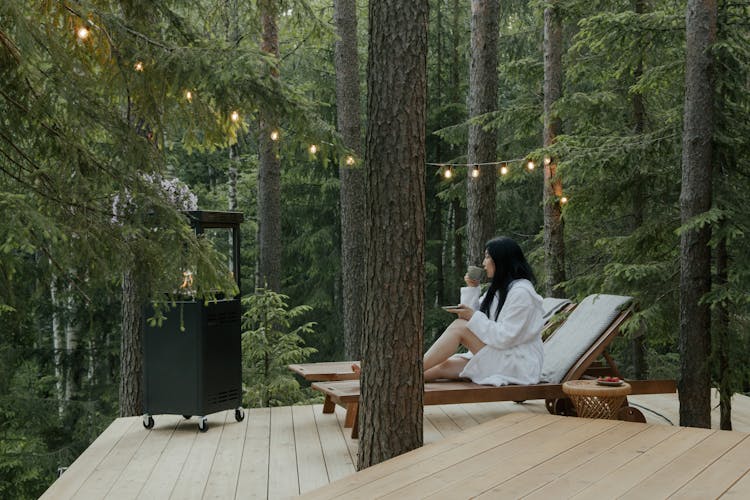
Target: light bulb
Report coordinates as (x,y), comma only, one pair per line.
(564,200)
(235,116)
(188,95)
(503,170)
(138,66)
(83,33)
(350,160)
(475,172)
(547,160)
(275,135)
(530,165)
(313,149)
(448,173)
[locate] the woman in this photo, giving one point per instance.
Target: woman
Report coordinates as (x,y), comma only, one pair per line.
(501,329)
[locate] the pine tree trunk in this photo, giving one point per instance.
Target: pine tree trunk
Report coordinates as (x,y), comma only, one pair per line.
(554,243)
(57,344)
(459,216)
(131,348)
(352,195)
(695,199)
(723,341)
(392,381)
(233,35)
(269,169)
(234,165)
(480,191)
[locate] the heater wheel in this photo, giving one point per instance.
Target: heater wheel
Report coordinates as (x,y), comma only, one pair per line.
(239,414)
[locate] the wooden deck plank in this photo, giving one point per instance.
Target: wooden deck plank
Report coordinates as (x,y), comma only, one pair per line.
(282,467)
(351,444)
(336,453)
(194,475)
(484,471)
(546,472)
(253,475)
(669,479)
(460,416)
(137,471)
(588,473)
(311,464)
(442,422)
(66,485)
(168,467)
(225,470)
(630,474)
(719,476)
(740,489)
(373,477)
(100,481)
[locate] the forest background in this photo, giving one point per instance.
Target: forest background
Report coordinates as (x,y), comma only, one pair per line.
(92,125)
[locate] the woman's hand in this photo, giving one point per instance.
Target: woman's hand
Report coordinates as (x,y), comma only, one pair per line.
(470,282)
(463,312)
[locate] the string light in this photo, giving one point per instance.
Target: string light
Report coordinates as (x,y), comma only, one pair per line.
(188,95)
(475,172)
(350,160)
(274,135)
(313,149)
(82,33)
(563,200)
(235,116)
(138,66)
(448,173)
(531,165)
(547,161)
(503,170)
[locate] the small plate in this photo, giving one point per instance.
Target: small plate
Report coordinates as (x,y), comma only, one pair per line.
(610,384)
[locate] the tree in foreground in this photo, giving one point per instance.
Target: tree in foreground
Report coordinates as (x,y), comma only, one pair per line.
(695,200)
(392,381)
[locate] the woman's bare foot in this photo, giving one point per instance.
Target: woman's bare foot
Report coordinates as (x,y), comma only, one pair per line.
(356,369)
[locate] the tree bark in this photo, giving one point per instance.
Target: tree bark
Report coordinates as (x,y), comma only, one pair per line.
(554,242)
(392,380)
(480,191)
(131,347)
(352,194)
(269,170)
(57,344)
(695,198)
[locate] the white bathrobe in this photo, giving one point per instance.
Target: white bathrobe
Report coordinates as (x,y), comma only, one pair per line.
(513,353)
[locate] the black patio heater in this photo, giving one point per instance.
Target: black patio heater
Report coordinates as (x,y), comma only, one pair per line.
(192,362)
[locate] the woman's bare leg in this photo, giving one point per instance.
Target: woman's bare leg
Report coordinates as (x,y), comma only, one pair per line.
(450,368)
(445,346)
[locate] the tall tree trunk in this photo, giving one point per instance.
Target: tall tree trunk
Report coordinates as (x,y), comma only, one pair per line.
(57,344)
(131,345)
(233,36)
(459,218)
(640,369)
(269,169)
(723,342)
(71,350)
(695,199)
(480,191)
(352,195)
(554,243)
(392,380)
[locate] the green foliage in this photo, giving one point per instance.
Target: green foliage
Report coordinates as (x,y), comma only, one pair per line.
(269,344)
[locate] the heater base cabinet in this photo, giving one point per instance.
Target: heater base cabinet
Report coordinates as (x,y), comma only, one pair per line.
(192,362)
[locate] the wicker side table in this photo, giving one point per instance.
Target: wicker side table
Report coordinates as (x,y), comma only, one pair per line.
(592,400)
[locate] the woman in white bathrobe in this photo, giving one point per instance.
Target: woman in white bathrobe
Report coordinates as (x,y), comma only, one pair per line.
(501,329)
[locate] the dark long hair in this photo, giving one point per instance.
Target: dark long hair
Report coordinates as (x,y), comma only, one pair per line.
(510,264)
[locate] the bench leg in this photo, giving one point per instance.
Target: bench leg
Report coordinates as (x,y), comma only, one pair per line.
(328,405)
(352,420)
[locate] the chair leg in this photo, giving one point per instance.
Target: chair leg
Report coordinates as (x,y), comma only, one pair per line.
(352,414)
(328,405)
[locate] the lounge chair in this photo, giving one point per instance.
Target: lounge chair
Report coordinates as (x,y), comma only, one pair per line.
(342,370)
(571,353)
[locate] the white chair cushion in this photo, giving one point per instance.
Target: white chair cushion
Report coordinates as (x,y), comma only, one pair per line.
(578,333)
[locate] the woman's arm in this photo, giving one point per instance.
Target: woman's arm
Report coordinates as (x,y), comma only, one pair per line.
(519,321)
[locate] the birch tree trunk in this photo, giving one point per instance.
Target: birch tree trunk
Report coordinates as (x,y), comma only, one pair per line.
(480,191)
(695,198)
(392,380)
(57,345)
(269,169)
(554,243)
(352,194)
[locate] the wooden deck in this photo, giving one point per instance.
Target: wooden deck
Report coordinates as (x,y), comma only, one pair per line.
(287,451)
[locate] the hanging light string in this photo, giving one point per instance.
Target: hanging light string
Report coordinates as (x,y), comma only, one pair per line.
(500,162)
